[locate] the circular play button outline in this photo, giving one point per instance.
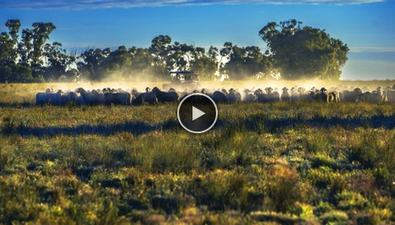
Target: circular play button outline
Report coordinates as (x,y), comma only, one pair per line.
(193,131)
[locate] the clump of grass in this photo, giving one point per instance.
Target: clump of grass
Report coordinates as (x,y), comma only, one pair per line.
(219,190)
(335,217)
(283,189)
(230,149)
(317,141)
(168,153)
(366,150)
(349,200)
(302,210)
(227,217)
(363,182)
(374,148)
(277,218)
(6,154)
(322,208)
(329,180)
(172,204)
(9,125)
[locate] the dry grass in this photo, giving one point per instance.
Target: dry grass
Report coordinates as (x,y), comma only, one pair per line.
(276,163)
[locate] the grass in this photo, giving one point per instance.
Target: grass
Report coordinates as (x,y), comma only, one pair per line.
(281,163)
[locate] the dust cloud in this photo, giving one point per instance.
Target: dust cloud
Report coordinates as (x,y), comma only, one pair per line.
(127,82)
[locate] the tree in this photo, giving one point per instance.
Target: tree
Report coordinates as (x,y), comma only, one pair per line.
(41,32)
(25,46)
(13,27)
(57,61)
(213,53)
(23,73)
(225,53)
(5,73)
(92,59)
(6,63)
(5,49)
(141,60)
(180,56)
(143,67)
(304,52)
(245,62)
(159,50)
(117,63)
(30,58)
(203,64)
(10,71)
(205,67)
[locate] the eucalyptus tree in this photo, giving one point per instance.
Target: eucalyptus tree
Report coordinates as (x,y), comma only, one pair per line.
(41,32)
(303,51)
(25,46)
(56,61)
(90,63)
(13,27)
(246,62)
(159,50)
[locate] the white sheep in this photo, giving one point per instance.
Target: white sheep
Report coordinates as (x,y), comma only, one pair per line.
(285,96)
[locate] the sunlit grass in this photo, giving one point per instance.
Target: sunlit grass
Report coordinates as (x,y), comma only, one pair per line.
(278,163)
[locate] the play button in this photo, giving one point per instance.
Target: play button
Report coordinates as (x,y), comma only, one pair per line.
(197,113)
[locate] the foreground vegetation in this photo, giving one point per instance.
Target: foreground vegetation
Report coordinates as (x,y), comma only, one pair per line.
(282,163)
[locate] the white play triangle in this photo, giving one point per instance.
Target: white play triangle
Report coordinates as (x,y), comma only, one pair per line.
(196,113)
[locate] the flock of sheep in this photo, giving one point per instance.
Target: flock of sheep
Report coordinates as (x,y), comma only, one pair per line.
(111,96)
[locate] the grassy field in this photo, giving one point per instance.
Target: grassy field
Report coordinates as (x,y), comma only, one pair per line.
(281,163)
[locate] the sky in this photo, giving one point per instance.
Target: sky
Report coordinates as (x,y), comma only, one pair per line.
(366,26)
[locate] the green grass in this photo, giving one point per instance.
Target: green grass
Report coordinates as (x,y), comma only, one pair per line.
(282,163)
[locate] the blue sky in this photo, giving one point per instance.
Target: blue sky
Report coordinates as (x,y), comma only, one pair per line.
(367,26)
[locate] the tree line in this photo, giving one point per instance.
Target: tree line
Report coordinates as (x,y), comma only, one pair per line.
(293,50)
